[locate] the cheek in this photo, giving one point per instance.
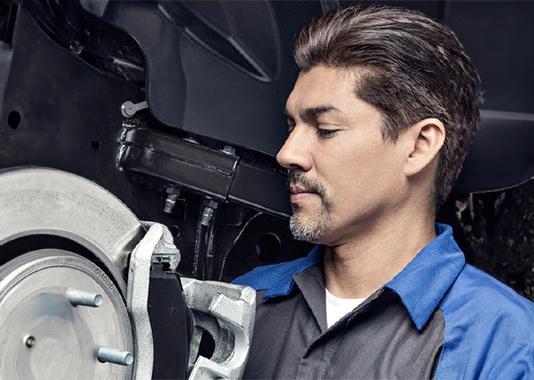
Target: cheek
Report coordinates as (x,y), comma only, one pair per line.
(362,172)
(363,159)
(347,176)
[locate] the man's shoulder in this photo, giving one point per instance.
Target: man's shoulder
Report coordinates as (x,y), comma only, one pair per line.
(277,279)
(488,330)
(267,276)
(483,293)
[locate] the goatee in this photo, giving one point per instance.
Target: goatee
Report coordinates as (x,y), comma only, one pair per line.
(309,227)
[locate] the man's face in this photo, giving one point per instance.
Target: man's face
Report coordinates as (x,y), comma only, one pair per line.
(344,177)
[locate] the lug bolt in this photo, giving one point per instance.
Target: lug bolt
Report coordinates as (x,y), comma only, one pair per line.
(29,341)
(114,355)
(79,297)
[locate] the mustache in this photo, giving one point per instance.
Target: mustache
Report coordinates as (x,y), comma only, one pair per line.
(298,178)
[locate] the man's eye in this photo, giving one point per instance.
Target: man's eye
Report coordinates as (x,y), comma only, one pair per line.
(325,132)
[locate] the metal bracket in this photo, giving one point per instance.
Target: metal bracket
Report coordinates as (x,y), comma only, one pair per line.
(227,312)
(218,174)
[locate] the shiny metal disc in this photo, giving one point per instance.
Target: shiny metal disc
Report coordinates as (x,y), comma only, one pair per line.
(43,335)
(42,201)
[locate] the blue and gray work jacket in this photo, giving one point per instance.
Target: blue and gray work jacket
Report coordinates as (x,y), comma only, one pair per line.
(439,318)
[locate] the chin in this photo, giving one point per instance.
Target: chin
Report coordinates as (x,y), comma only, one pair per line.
(309,229)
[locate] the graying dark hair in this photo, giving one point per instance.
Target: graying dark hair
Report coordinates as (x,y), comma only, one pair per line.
(412,68)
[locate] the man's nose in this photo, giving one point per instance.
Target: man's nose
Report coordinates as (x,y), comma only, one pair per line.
(295,154)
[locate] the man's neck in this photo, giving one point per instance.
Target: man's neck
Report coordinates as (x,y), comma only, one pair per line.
(359,267)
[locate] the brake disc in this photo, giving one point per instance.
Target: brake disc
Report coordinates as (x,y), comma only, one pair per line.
(41,201)
(45,333)
(50,329)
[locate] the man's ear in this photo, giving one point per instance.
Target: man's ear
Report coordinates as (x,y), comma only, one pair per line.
(425,141)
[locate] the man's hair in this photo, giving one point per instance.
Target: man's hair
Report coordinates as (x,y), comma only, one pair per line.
(411,68)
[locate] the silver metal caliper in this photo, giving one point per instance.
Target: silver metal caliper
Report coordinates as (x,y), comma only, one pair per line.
(227,313)
(223,310)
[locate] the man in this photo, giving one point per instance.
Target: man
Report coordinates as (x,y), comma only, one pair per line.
(380,120)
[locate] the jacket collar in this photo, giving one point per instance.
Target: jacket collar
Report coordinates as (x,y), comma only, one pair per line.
(421,285)
(277,279)
(284,282)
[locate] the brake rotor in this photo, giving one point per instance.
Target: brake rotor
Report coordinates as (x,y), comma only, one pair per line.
(46,333)
(41,201)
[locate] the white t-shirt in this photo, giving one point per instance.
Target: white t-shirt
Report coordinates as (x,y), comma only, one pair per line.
(337,308)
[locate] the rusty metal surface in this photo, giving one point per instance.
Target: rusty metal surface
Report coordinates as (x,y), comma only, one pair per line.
(496,232)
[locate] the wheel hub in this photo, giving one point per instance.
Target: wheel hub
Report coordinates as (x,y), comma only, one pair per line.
(44,334)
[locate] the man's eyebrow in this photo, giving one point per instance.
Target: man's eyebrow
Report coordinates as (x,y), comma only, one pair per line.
(312,113)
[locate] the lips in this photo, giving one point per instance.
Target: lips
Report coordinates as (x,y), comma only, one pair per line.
(299,190)
(303,187)
(299,193)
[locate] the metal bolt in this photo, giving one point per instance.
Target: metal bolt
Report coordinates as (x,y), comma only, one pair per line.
(79,297)
(129,109)
(207,214)
(128,64)
(209,209)
(170,202)
(29,340)
(114,355)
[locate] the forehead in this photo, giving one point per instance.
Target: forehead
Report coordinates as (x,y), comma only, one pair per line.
(324,86)
(329,87)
